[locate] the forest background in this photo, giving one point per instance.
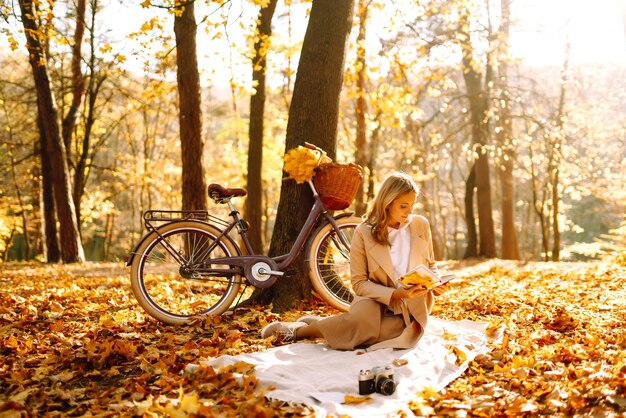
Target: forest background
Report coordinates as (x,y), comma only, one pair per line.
(509,114)
(431,88)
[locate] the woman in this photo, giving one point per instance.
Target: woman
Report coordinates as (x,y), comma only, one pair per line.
(388,244)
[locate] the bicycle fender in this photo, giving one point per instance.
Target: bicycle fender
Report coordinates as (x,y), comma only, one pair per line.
(131,256)
(324,223)
(344,215)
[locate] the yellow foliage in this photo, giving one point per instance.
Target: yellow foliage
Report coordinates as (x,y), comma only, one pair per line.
(429,392)
(300,163)
(188,404)
(356,400)
(500,369)
(12,43)
(540,368)
(5,233)
(10,223)
(520,361)
(261,3)
(460,356)
(105,48)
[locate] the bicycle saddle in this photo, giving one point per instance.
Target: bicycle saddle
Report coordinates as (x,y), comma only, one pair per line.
(220,193)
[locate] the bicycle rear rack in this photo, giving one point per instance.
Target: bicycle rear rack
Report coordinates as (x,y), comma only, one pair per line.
(152,217)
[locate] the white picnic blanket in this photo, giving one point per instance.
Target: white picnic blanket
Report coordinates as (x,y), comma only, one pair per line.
(320,377)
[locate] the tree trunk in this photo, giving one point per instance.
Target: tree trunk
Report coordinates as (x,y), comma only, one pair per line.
(87,151)
(431,216)
(194,184)
(538,206)
(254,202)
(440,247)
(428,197)
(554,172)
(108,235)
(510,248)
(479,105)
(78,82)
(82,162)
(9,244)
(360,156)
(25,223)
(457,212)
(71,246)
(51,250)
(472,240)
(372,155)
(313,117)
(556,243)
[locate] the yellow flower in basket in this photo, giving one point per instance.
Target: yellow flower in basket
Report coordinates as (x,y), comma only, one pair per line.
(300,163)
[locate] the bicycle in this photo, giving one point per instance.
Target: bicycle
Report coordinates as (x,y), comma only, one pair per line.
(188,264)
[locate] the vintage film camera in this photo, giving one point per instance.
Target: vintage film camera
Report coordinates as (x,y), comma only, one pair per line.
(378,380)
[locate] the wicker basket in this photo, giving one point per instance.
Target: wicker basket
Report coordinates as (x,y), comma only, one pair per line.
(337,184)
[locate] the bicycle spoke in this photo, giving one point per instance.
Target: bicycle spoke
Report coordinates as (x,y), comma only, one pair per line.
(206,253)
(330,264)
(168,285)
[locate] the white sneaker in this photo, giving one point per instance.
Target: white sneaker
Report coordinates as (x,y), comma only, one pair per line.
(309,319)
(285,331)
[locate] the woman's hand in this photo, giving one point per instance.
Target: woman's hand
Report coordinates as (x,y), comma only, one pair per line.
(408,293)
(440,290)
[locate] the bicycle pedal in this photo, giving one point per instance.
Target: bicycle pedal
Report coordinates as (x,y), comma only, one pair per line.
(271,272)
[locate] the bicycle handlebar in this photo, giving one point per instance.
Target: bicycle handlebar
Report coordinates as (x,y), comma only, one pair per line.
(314,147)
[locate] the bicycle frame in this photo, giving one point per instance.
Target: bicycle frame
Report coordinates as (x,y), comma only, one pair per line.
(190,262)
(282,262)
(276,265)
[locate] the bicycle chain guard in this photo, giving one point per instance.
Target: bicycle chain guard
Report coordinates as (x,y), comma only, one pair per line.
(258,274)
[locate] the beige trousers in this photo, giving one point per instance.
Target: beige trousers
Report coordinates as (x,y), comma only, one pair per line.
(368,322)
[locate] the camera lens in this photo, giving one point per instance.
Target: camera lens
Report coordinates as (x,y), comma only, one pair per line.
(385,386)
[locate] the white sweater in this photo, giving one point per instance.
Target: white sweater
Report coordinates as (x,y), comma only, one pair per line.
(400,240)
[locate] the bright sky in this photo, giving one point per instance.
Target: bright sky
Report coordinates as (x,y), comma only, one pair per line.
(540,30)
(595,29)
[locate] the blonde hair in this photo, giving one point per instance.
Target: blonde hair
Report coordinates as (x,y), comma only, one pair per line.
(396,184)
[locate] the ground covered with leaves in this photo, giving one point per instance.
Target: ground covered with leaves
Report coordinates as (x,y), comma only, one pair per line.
(73,342)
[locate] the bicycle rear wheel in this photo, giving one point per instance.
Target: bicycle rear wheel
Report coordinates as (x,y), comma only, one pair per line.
(165,277)
(329,262)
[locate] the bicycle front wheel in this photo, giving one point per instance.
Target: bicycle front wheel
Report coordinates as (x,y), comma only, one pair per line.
(167,277)
(329,262)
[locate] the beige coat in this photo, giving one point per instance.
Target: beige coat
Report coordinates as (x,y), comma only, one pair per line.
(373,321)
